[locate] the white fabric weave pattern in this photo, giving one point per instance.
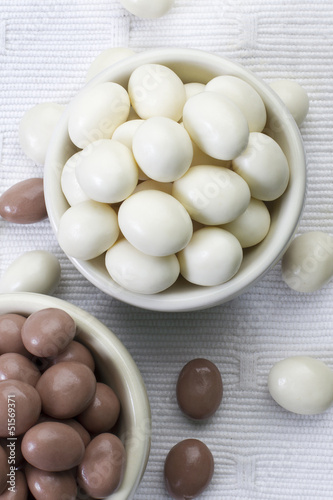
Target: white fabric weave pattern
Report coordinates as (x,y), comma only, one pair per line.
(261,451)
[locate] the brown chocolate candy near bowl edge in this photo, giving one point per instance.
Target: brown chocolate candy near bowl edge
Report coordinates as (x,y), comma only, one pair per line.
(10,334)
(188,469)
(199,389)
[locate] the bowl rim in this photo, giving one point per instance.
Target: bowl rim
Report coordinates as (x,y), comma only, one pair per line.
(139,439)
(196,297)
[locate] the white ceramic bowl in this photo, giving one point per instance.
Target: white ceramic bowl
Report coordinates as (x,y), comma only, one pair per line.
(115,367)
(194,66)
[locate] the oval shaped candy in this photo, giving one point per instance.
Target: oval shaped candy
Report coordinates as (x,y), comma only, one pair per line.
(14,366)
(101,470)
(72,190)
(46,485)
(75,351)
(107,58)
(294,96)
(103,412)
(52,446)
(301,384)
(24,202)
(216,125)
(146,8)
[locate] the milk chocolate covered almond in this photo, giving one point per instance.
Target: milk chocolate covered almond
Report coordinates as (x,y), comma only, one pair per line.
(24,203)
(51,485)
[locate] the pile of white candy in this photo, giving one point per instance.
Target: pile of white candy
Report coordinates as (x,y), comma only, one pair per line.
(142,180)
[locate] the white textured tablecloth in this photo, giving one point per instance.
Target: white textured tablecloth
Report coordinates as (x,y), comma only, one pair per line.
(261,451)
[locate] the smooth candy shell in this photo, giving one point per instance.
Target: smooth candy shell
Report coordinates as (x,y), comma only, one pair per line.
(70,187)
(244,96)
(156,90)
(107,58)
(212,257)
(51,485)
(251,226)
(107,172)
(301,384)
(146,8)
(37,271)
(163,149)
(10,334)
(14,366)
(24,202)
(294,97)
(264,166)
(139,272)
(96,113)
(212,195)
(155,223)
(36,129)
(216,125)
(307,265)
(88,229)
(103,412)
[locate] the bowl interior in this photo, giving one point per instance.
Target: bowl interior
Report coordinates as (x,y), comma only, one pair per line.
(194,66)
(115,367)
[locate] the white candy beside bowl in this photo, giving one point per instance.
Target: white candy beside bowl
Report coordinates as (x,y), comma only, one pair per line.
(193,66)
(116,368)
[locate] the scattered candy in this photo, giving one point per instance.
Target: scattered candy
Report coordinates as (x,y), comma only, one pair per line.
(199,389)
(24,203)
(307,265)
(36,271)
(188,469)
(301,384)
(36,128)
(107,58)
(294,97)
(146,8)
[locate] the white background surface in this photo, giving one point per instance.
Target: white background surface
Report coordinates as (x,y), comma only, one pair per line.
(261,451)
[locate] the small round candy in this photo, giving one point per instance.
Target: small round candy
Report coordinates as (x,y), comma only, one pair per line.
(307,265)
(155,223)
(103,412)
(107,58)
(14,366)
(66,389)
(188,469)
(52,446)
(24,202)
(46,485)
(294,97)
(212,257)
(156,90)
(199,389)
(264,166)
(88,229)
(244,96)
(139,272)
(75,351)
(212,195)
(301,384)
(97,112)
(102,468)
(193,88)
(70,187)
(36,271)
(48,332)
(147,9)
(216,125)
(251,226)
(107,172)
(36,129)
(10,334)
(25,407)
(163,149)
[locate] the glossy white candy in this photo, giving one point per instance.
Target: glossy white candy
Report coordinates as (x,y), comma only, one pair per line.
(97,112)
(107,58)
(212,257)
(264,166)
(156,90)
(301,384)
(307,265)
(107,171)
(212,195)
(149,9)
(251,226)
(193,88)
(294,97)
(37,271)
(244,96)
(69,184)
(36,128)
(163,149)
(155,223)
(216,125)
(87,229)
(139,272)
